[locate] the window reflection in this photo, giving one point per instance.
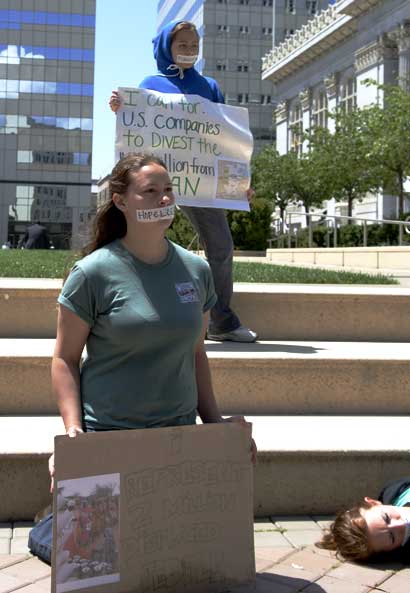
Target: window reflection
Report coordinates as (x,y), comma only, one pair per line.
(9,124)
(4,25)
(10,89)
(47,157)
(46,203)
(47,18)
(13,54)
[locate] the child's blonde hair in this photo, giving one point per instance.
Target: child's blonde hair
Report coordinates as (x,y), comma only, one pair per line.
(348,534)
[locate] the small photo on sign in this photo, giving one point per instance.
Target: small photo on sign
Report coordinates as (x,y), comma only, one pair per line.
(232,179)
(87,551)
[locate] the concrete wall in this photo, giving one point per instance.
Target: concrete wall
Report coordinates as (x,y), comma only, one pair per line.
(358,257)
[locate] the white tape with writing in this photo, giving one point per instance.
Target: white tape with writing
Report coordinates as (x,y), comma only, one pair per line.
(156,214)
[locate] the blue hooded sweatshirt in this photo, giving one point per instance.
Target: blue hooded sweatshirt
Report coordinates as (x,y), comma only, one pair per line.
(172,79)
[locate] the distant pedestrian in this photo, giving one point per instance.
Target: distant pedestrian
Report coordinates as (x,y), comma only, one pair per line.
(36,237)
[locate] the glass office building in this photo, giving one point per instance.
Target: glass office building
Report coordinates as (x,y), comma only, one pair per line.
(46,111)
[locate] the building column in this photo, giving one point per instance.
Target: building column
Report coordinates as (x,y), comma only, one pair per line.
(331,91)
(377,61)
(281,124)
(305,97)
(403,44)
(4,223)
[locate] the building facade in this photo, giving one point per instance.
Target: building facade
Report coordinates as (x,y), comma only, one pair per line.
(46,117)
(290,15)
(323,66)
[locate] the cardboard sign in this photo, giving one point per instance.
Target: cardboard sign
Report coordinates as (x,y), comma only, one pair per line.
(166,509)
(206,146)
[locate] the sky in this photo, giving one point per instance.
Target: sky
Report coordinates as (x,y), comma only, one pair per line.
(123,57)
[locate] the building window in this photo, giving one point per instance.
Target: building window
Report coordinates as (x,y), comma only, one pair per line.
(23,17)
(311,6)
(296,128)
(9,124)
(243,98)
(319,109)
(267,30)
(16,54)
(267,2)
(288,32)
(291,6)
(244,29)
(243,67)
(221,65)
(348,94)
(46,157)
(11,89)
(223,28)
(39,202)
(245,2)
(266,99)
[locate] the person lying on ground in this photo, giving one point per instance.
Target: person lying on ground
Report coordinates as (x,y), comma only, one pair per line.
(373,527)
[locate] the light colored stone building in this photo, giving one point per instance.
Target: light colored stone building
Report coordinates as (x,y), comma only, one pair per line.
(290,15)
(324,64)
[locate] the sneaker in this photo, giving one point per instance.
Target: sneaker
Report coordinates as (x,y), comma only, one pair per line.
(240,334)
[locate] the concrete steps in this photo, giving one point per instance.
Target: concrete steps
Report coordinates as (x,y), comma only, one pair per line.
(327,390)
(276,312)
(306,465)
(324,312)
(267,378)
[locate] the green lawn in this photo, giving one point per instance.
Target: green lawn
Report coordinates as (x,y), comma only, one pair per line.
(250,272)
(35,263)
(16,263)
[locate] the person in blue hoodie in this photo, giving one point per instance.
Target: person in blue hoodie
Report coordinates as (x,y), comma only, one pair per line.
(176,49)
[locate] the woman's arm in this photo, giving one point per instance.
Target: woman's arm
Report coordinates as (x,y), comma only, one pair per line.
(207,406)
(72,333)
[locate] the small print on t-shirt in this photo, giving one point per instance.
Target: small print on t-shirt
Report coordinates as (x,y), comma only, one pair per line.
(186,292)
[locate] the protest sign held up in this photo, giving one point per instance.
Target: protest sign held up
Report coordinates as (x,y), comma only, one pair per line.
(206,146)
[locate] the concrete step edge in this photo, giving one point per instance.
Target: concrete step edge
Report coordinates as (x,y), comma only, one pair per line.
(42,348)
(33,435)
(287,479)
(51,287)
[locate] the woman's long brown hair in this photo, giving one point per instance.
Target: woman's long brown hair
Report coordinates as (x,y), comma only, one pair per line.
(109,223)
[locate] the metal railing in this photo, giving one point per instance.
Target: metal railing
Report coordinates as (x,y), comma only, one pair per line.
(404,225)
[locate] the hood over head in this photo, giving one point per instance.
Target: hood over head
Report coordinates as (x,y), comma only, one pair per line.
(162,51)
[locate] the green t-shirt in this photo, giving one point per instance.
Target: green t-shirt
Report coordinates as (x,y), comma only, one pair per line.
(144,323)
(403,500)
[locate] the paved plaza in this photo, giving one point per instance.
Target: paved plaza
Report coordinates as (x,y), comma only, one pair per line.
(286,562)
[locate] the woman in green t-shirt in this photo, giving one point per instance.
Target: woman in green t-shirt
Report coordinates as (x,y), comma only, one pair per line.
(140,304)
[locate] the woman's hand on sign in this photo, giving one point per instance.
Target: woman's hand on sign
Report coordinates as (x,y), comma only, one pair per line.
(250,194)
(242,420)
(51,469)
(115,101)
(72,431)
